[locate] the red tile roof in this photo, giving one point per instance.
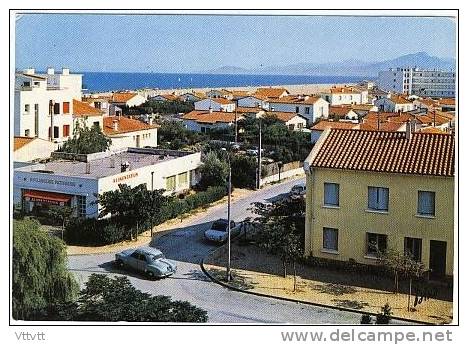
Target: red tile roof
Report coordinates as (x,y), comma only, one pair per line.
(270,92)
(125,125)
(122,97)
(447,101)
(339,111)
(344,89)
(397,99)
(324,124)
(296,100)
(84,109)
(384,126)
(386,152)
(204,116)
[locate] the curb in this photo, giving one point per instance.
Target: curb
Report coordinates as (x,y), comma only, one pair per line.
(286,299)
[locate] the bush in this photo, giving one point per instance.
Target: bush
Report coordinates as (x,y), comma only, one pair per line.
(384,317)
(243,171)
(366,319)
(97,232)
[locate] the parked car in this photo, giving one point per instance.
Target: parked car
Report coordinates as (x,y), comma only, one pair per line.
(254,151)
(150,261)
(298,190)
(218,232)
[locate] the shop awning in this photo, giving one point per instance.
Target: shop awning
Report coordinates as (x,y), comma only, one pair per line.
(47,197)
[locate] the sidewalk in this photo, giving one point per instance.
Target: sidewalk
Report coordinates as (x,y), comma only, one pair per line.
(259,272)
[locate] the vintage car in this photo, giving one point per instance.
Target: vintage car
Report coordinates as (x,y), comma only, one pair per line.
(150,261)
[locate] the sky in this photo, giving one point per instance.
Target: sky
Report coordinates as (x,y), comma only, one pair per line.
(190,43)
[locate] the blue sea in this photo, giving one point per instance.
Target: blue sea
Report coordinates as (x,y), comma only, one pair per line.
(109,81)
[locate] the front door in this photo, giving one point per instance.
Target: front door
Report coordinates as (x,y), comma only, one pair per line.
(138,141)
(437,258)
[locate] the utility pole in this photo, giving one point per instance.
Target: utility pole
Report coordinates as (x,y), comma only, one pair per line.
(259,168)
(152,204)
(235,126)
(228,265)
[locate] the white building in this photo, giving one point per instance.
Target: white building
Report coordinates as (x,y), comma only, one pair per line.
(345,95)
(191,97)
(309,107)
(293,121)
(129,99)
(253,102)
(420,82)
(216,104)
(44,103)
(26,149)
(125,132)
(165,98)
(203,121)
(223,93)
(76,182)
(394,104)
(86,114)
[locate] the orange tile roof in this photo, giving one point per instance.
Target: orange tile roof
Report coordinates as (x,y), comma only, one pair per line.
(220,100)
(170,97)
(340,111)
(19,142)
(84,109)
(324,124)
(388,117)
(270,92)
(432,130)
(248,109)
(122,97)
(447,101)
(125,125)
(384,126)
(398,99)
(344,89)
(440,118)
(283,116)
(386,152)
(204,116)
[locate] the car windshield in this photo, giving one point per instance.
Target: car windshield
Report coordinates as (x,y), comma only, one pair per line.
(219,226)
(156,257)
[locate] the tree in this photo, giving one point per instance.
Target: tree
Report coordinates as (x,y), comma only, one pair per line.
(175,136)
(61,214)
(243,171)
(116,299)
(214,171)
(40,276)
(86,140)
(366,319)
(131,205)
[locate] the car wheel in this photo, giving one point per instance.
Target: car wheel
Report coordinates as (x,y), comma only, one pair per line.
(150,275)
(119,263)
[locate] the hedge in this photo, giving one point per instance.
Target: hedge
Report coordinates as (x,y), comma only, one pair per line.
(96,232)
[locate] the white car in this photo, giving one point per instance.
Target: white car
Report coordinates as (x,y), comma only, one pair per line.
(218,231)
(298,190)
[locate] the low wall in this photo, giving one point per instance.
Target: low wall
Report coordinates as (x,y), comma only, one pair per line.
(284,175)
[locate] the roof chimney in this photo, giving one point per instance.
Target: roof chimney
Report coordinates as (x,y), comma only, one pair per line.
(210,109)
(50,71)
(115,125)
(65,71)
(409,130)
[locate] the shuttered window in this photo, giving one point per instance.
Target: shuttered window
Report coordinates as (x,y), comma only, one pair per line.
(330,239)
(331,193)
(426,203)
(378,198)
(66,107)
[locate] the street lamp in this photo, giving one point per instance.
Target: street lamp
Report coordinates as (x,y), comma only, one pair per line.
(228,265)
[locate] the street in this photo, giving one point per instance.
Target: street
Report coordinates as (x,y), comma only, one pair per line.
(187,247)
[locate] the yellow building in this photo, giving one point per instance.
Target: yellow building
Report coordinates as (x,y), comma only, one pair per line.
(372,190)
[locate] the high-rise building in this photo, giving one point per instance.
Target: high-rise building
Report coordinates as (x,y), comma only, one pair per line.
(420,82)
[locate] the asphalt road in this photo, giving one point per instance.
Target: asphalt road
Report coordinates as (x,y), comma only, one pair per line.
(187,247)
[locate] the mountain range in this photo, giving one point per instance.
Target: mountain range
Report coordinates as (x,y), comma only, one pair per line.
(352,67)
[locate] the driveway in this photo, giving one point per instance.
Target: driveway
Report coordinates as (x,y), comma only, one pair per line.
(187,247)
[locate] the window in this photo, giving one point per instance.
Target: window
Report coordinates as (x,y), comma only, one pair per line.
(81,205)
(426,203)
(307,110)
(183,179)
(26,132)
(331,194)
(413,247)
(96,123)
(376,243)
(56,108)
(291,127)
(378,198)
(330,239)
(56,132)
(170,183)
(66,107)
(203,129)
(26,108)
(66,130)
(297,109)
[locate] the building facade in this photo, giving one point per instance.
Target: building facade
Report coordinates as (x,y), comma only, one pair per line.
(44,104)
(419,82)
(366,196)
(75,183)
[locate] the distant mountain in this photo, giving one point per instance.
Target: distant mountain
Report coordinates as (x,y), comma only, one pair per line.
(350,67)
